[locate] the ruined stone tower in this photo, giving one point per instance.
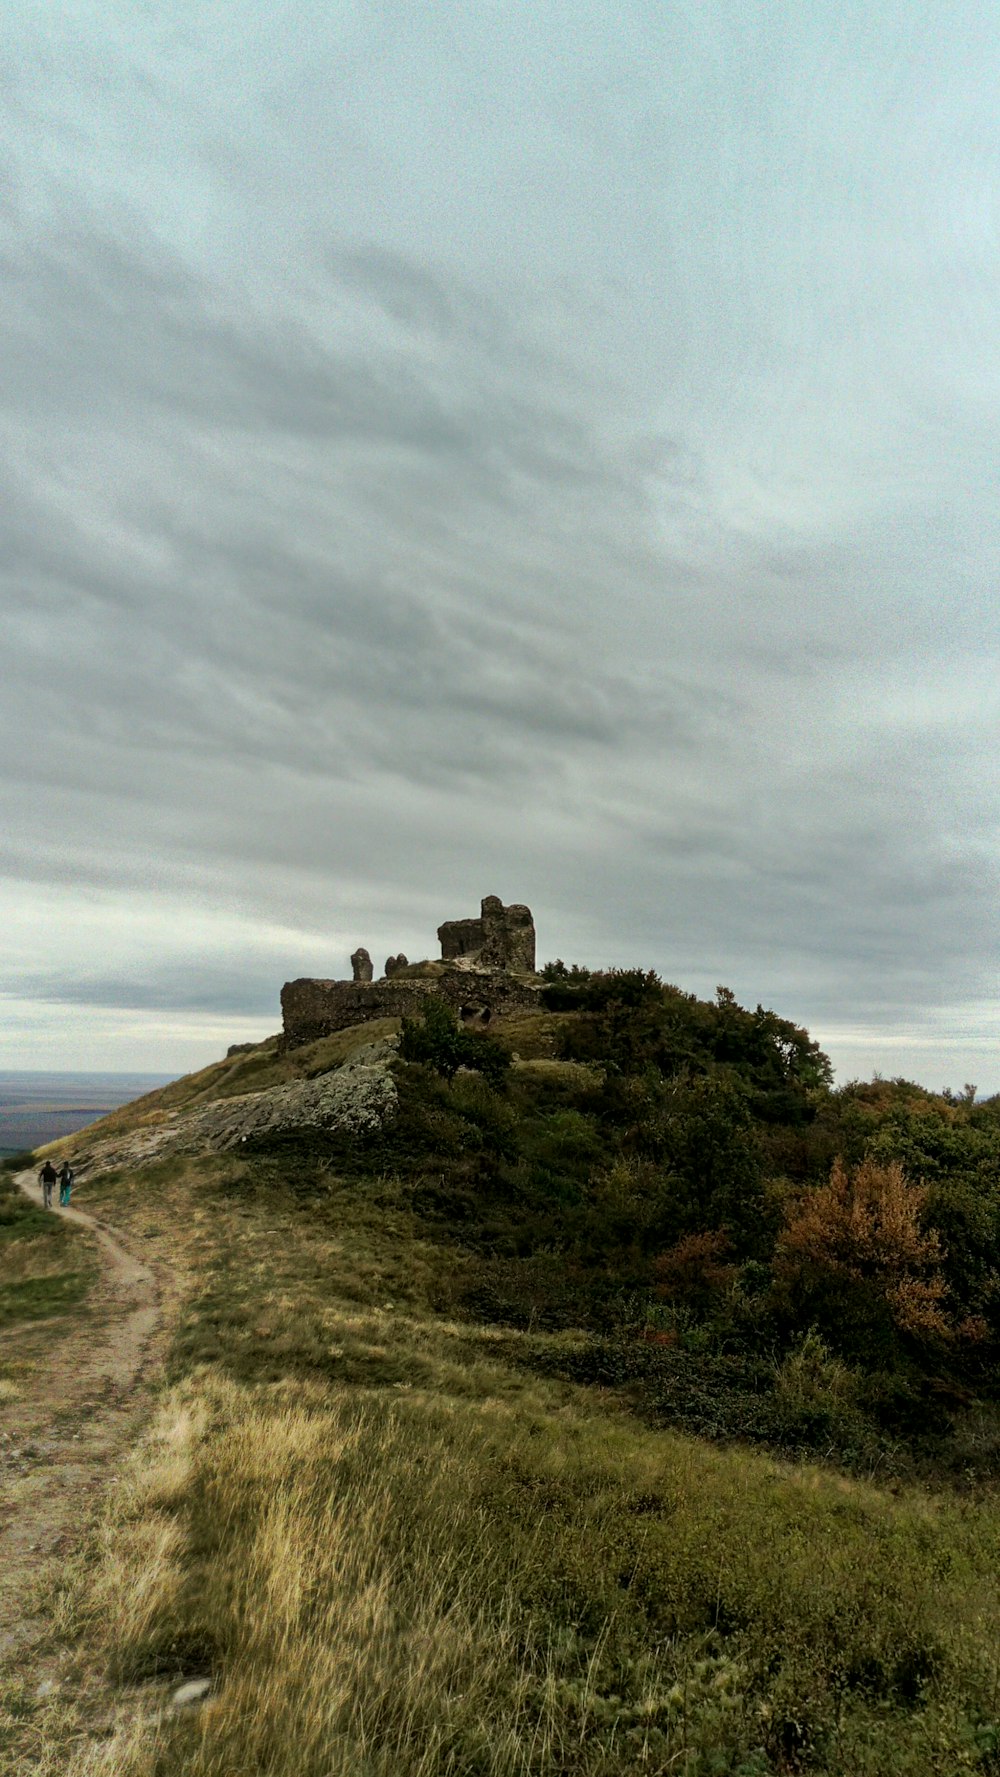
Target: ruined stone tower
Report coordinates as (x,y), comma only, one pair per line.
(501,938)
(487,970)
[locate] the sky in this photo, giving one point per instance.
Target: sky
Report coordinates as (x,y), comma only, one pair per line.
(486,448)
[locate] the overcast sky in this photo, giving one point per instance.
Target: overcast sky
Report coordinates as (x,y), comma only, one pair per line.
(545,449)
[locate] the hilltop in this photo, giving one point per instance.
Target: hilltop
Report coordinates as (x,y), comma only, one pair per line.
(598,1391)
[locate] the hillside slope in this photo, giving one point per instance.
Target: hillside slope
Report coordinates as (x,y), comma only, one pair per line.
(415,1497)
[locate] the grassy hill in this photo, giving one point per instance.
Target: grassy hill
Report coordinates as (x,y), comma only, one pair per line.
(573,1423)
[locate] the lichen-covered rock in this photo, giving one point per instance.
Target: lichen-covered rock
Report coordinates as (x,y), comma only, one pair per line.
(356,1100)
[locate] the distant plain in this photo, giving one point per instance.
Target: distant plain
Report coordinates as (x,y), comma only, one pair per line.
(37,1107)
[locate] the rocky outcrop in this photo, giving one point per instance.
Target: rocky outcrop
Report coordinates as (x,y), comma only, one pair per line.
(356,1100)
(393,964)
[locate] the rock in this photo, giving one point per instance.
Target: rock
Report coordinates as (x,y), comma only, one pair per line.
(475,1017)
(393,964)
(362,965)
(194,1691)
(357,1100)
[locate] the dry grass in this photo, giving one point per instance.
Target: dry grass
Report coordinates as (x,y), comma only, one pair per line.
(420,1585)
(395,1553)
(534,1035)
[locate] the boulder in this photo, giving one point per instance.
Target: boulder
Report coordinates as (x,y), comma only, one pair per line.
(356,1100)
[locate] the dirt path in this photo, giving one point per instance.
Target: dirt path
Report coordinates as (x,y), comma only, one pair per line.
(62,1440)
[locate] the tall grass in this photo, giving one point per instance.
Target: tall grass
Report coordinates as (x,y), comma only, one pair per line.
(395,1552)
(414,1584)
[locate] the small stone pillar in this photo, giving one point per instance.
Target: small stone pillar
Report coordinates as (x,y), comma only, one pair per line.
(361,963)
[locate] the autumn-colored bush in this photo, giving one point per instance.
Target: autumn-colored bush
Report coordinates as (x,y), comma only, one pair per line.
(857,1243)
(695,1269)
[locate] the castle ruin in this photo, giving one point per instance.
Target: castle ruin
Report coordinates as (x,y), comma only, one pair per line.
(501,938)
(487,969)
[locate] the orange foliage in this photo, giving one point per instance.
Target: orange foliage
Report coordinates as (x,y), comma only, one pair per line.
(695,1267)
(864,1227)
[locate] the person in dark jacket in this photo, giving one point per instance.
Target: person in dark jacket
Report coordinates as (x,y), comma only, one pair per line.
(48,1176)
(65,1183)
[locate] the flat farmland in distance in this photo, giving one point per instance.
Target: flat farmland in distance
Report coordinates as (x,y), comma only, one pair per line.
(37,1107)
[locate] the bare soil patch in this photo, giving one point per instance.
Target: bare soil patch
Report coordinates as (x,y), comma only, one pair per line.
(79,1398)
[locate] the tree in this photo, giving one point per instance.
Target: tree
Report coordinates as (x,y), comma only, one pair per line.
(437,1041)
(695,1134)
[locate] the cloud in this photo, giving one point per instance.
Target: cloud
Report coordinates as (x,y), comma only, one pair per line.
(222,992)
(578,487)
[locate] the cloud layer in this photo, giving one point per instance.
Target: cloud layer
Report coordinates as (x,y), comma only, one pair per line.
(455,454)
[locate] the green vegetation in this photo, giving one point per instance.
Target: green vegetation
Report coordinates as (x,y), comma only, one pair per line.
(38,1298)
(627,1407)
(16,1161)
(415,1582)
(400,1548)
(43,1272)
(678,1180)
(437,1040)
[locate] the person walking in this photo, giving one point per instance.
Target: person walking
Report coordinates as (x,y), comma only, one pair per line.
(48,1176)
(65,1183)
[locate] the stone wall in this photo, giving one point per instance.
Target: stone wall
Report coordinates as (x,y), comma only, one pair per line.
(501,938)
(460,937)
(313,1008)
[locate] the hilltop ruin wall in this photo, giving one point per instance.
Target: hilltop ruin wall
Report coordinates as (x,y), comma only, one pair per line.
(311,1008)
(492,962)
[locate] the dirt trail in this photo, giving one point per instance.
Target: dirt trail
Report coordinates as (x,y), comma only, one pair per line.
(61,1441)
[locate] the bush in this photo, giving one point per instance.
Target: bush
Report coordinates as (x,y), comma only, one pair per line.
(696,1270)
(631,1020)
(438,1042)
(810,1376)
(853,1254)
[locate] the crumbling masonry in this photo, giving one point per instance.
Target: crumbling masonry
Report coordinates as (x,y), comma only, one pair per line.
(487,969)
(501,938)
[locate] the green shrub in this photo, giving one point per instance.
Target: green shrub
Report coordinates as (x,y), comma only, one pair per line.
(810,1376)
(19,1162)
(438,1042)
